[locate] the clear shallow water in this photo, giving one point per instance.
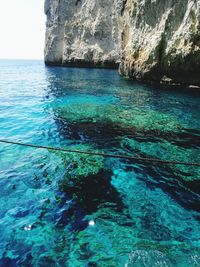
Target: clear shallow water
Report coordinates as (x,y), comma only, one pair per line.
(74,210)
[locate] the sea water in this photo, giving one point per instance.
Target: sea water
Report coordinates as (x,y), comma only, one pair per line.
(69,209)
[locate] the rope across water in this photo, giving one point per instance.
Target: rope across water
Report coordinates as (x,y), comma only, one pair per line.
(106,155)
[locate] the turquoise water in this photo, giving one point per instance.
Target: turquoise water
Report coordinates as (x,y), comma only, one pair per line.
(60,209)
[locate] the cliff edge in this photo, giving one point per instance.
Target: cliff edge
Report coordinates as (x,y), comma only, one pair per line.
(155,40)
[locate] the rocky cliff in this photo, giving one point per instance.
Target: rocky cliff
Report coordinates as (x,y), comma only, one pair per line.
(149,39)
(82,32)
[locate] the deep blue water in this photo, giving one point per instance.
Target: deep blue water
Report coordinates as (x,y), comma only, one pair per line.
(59,209)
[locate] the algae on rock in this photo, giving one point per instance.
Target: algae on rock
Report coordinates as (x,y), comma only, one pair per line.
(168,151)
(136,119)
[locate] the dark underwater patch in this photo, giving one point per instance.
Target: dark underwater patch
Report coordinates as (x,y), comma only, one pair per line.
(87,194)
(187,138)
(111,133)
(8,262)
(186,193)
(91,130)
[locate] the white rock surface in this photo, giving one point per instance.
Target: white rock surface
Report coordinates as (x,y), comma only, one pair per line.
(151,39)
(82,32)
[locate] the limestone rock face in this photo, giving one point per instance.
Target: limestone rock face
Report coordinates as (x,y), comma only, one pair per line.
(82,32)
(161,40)
(150,39)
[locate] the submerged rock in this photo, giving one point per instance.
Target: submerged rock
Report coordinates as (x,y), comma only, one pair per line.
(151,40)
(81,165)
(166,150)
(128,118)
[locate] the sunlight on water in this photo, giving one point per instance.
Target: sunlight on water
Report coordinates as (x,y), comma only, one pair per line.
(59,209)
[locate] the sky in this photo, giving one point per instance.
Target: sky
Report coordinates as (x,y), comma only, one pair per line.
(22,29)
